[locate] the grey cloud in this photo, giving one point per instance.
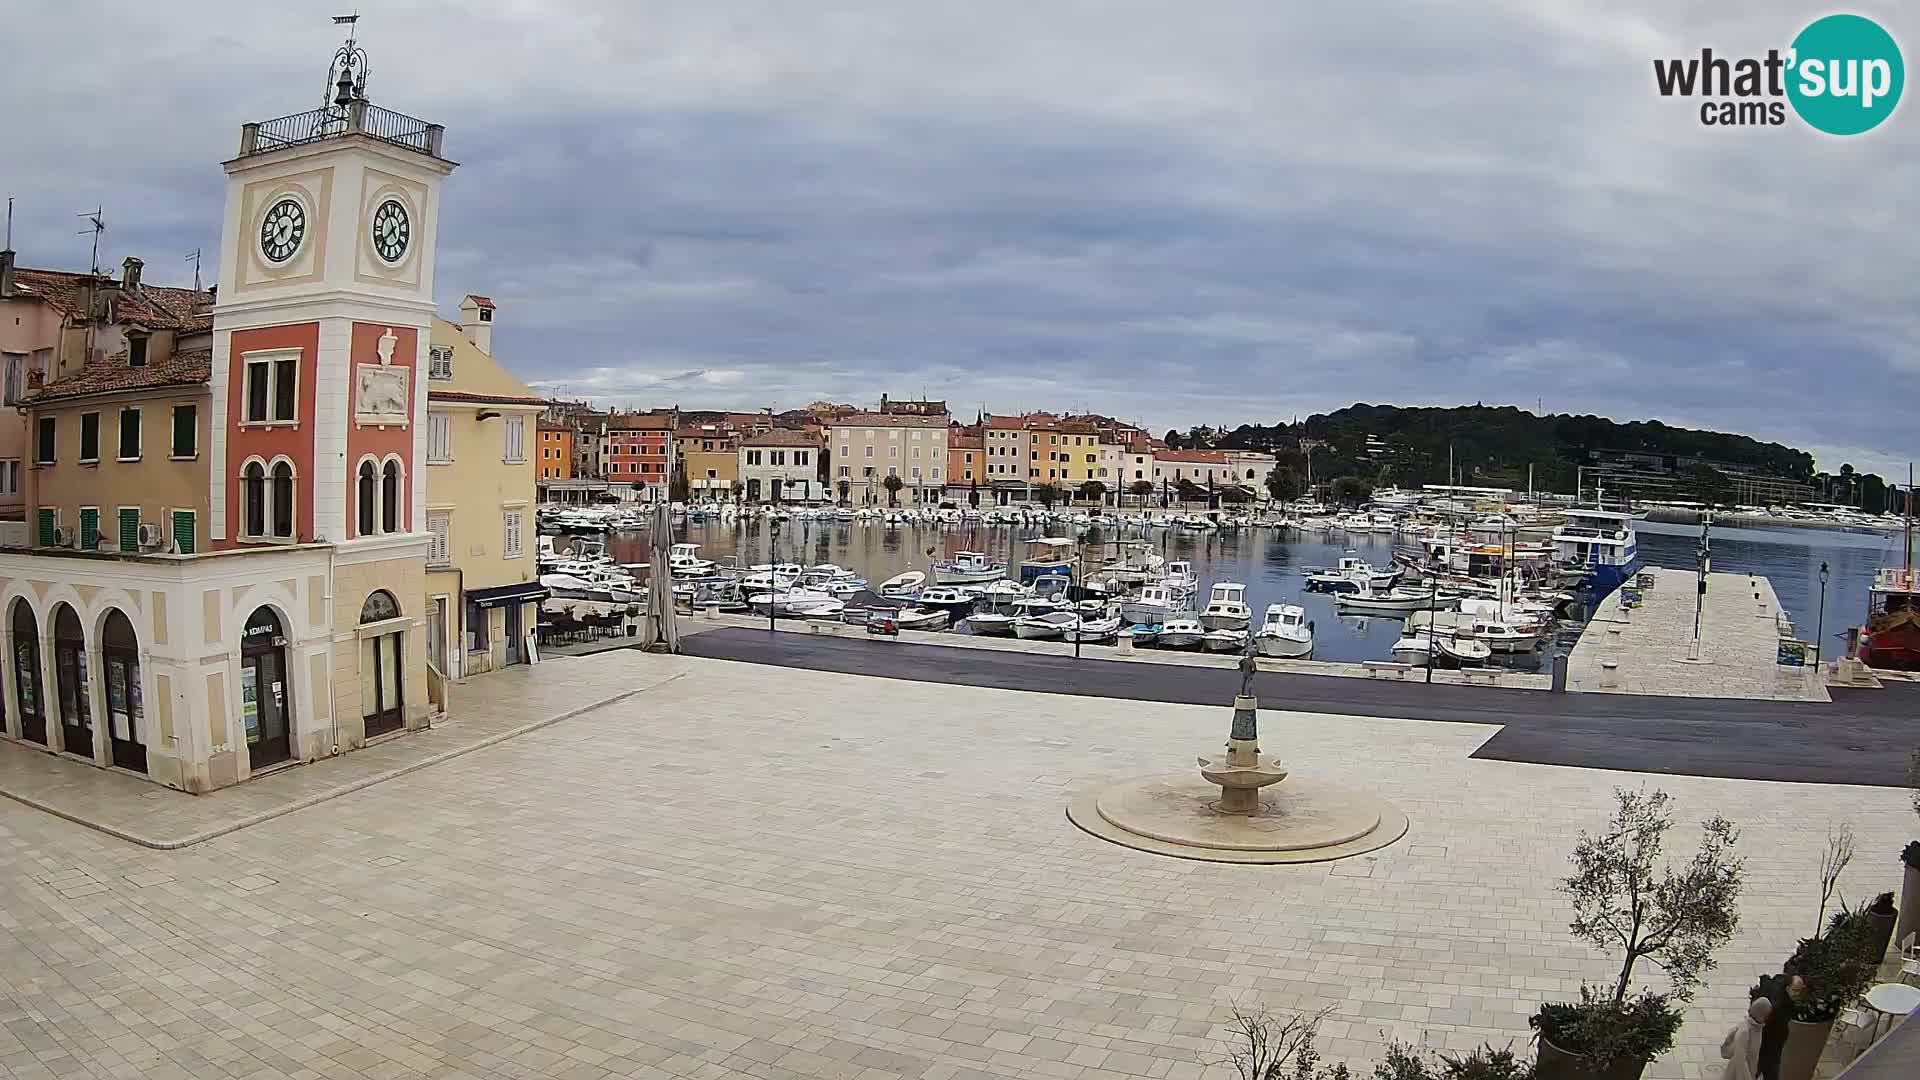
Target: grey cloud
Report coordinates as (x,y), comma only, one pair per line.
(1236,211)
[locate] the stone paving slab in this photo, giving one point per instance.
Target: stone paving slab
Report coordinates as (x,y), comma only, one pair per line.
(1649,645)
(483,710)
(780,873)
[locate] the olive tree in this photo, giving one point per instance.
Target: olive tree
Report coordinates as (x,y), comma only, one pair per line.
(1628,902)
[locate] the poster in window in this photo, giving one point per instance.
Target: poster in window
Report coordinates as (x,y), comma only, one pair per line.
(250,702)
(27,664)
(116,686)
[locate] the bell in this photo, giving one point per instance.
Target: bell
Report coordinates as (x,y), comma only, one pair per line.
(343,93)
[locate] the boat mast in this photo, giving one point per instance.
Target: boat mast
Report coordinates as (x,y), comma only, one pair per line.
(1909,526)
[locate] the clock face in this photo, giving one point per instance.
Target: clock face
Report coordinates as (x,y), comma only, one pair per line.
(391,231)
(282,230)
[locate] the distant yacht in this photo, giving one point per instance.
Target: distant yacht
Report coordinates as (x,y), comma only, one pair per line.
(1603,542)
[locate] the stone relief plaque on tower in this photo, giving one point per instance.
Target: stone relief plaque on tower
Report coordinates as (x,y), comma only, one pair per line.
(380,391)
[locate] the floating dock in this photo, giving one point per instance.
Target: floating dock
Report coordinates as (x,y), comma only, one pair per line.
(1649,649)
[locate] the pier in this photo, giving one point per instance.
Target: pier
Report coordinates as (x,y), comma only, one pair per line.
(1647,650)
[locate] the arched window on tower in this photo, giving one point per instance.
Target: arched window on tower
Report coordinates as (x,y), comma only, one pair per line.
(369,491)
(253,496)
(283,500)
(390,498)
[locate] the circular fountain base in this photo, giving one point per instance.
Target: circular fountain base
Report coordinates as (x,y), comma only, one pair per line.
(1299,821)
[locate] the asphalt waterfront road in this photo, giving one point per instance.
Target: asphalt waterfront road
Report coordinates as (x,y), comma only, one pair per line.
(1862,737)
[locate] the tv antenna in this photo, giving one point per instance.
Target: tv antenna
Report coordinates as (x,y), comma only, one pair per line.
(96,224)
(194,258)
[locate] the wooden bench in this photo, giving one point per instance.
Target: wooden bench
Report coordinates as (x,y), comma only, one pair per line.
(1486,675)
(1381,668)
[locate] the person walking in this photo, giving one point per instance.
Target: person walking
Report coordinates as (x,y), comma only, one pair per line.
(1781,991)
(1741,1047)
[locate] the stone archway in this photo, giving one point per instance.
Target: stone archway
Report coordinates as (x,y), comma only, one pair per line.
(25,664)
(74,698)
(126,719)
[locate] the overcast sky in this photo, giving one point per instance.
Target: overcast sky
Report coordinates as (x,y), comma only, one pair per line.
(1211,212)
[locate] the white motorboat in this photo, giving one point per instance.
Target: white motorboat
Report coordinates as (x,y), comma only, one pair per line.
(1227,607)
(685,561)
(1448,650)
(1044,626)
(1181,633)
(914,618)
(570,587)
(1353,575)
(903,585)
(1387,602)
(791,602)
(1225,640)
(1093,631)
(1500,636)
(955,601)
(1285,632)
(1180,576)
(967,568)
(1154,604)
(829,609)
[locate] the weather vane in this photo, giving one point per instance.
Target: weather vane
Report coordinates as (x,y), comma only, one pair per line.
(347,74)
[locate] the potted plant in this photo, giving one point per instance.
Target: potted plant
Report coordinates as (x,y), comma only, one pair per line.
(1629,902)
(1408,1063)
(1835,974)
(1881,915)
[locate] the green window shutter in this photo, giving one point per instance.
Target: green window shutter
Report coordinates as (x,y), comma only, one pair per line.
(130,528)
(89,528)
(183,531)
(46,528)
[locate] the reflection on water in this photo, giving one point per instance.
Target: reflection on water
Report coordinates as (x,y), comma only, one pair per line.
(1274,569)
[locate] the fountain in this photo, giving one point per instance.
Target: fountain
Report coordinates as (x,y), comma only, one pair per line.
(1238,809)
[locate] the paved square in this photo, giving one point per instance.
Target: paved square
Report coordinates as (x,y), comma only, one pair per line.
(779,873)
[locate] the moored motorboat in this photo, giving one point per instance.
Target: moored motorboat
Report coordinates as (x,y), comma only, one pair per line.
(914,618)
(1181,633)
(1387,602)
(1227,607)
(903,585)
(1448,650)
(1225,640)
(967,568)
(1049,625)
(1285,632)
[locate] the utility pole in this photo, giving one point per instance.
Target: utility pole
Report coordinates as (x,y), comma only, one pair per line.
(1703,559)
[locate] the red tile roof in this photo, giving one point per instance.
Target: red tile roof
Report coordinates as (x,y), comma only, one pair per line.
(1196,457)
(483,399)
(113,376)
(780,437)
(640,422)
(156,307)
(879,420)
(482,301)
(959,440)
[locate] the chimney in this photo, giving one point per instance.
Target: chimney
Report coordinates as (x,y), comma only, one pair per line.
(476,319)
(130,274)
(6,272)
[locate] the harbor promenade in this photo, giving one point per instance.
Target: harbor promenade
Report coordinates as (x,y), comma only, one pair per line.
(737,869)
(1647,650)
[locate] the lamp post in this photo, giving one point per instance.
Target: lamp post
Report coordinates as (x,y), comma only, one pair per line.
(773,574)
(1820,626)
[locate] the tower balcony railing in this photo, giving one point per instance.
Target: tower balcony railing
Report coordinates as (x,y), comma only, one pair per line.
(333,122)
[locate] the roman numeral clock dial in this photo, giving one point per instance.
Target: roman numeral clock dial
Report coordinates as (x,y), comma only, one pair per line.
(282,230)
(392,231)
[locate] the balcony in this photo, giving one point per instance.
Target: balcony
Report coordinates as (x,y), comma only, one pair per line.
(356,118)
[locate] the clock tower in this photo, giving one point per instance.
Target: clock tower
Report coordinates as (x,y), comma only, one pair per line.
(319,404)
(320,342)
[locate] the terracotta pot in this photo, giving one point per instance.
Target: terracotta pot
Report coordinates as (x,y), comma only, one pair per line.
(1909,905)
(1553,1063)
(1805,1043)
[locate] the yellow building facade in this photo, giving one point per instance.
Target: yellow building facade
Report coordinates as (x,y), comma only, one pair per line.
(482,582)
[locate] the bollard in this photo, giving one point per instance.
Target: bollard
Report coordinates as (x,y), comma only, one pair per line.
(713,611)
(1124,643)
(1560,673)
(1609,675)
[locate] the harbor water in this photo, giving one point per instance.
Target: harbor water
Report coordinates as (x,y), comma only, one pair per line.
(1273,565)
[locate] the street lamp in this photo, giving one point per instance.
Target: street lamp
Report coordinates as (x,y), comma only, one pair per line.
(773,573)
(1820,627)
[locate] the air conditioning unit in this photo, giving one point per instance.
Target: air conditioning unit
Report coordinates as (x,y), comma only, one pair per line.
(149,536)
(62,537)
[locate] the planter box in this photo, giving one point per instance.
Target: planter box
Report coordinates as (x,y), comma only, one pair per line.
(1805,1043)
(1553,1063)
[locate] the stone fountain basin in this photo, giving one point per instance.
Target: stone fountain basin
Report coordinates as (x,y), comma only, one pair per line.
(1302,820)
